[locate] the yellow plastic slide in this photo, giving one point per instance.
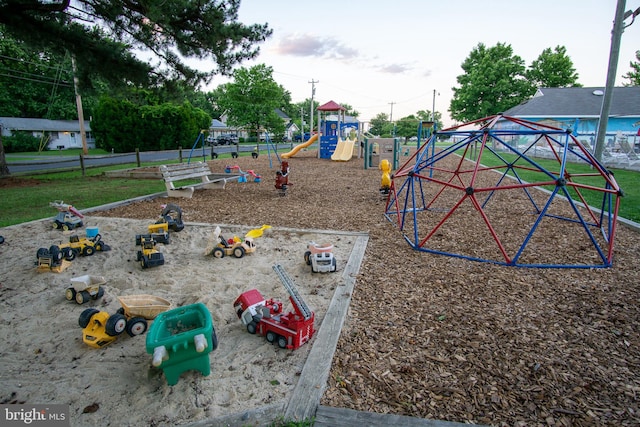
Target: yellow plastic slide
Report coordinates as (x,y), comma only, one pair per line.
(344,150)
(299,147)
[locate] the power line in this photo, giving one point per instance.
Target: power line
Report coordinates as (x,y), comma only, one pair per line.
(50,82)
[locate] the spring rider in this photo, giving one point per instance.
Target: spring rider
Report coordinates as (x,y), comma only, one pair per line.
(385,182)
(181,340)
(282,178)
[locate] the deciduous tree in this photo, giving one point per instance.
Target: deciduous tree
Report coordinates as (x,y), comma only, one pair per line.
(380,125)
(634,74)
(553,69)
(251,100)
(494,80)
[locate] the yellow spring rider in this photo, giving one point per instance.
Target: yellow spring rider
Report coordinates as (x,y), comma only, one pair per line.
(385,182)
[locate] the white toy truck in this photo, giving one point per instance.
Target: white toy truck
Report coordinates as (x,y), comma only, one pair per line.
(320,258)
(84,288)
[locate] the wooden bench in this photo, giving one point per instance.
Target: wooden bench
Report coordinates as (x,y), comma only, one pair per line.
(175,173)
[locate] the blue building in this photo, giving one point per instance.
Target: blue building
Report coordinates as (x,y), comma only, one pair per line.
(578,109)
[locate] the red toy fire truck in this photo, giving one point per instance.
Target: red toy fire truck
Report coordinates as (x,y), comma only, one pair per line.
(266,317)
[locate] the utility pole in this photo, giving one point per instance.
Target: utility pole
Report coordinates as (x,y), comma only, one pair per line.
(313,92)
(433,111)
(83,134)
(614,53)
(393,128)
(301,124)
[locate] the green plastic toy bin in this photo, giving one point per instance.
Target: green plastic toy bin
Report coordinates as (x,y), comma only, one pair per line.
(181,339)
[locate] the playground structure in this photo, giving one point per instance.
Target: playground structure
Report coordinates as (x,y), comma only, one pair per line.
(344,150)
(243,174)
(299,147)
(474,209)
(333,127)
(378,149)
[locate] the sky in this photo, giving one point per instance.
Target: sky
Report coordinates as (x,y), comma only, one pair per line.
(399,57)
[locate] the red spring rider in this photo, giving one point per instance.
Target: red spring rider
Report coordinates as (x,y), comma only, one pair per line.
(282,176)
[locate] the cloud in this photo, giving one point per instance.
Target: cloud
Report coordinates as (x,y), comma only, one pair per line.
(395,68)
(327,47)
(307,45)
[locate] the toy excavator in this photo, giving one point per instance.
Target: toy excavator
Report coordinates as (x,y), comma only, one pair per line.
(170,219)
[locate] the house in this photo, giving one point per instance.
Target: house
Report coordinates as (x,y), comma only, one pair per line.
(291,131)
(217,129)
(578,108)
(59,134)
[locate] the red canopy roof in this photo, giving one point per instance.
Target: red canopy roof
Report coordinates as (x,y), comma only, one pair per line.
(331,106)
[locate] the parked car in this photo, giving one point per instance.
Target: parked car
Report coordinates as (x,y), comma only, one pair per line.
(297,137)
(224,139)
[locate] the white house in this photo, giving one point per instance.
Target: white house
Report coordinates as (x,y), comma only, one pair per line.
(59,134)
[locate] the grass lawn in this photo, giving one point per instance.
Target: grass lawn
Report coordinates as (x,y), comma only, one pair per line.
(27,197)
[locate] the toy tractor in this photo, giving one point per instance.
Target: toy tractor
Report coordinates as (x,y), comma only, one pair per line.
(82,246)
(219,247)
(68,217)
(159,232)
(84,288)
(149,256)
(99,328)
(51,259)
(320,258)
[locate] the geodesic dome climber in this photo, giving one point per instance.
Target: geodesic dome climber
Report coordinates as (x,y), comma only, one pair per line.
(510,192)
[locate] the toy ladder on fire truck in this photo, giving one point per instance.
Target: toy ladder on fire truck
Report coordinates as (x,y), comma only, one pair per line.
(297,301)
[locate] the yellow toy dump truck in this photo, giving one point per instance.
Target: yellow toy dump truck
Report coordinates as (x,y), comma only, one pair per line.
(99,328)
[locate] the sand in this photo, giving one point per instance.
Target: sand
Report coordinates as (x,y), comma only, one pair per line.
(44,359)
